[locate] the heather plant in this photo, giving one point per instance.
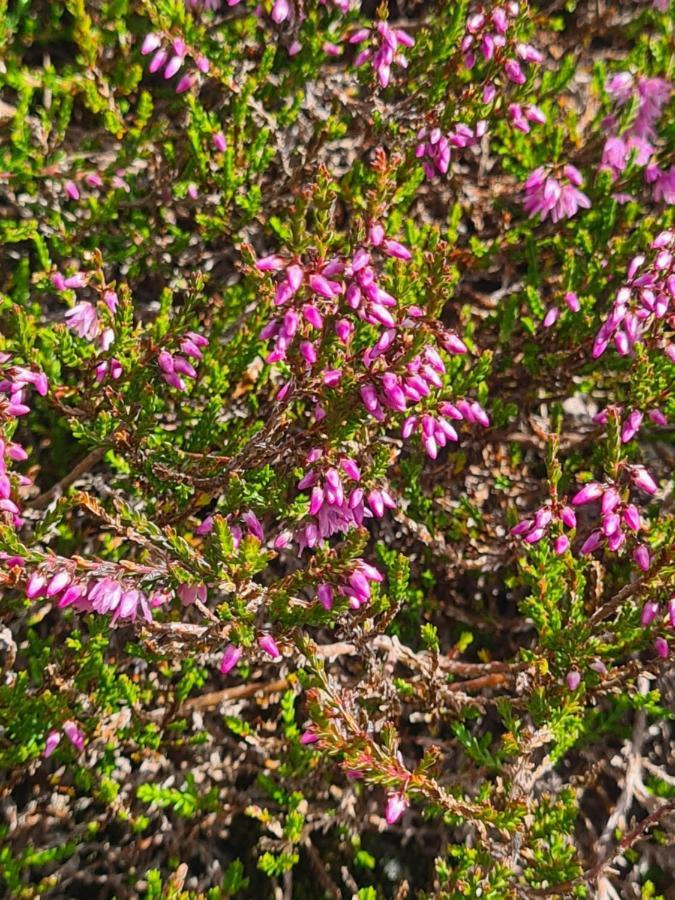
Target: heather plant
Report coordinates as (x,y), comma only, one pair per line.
(337,358)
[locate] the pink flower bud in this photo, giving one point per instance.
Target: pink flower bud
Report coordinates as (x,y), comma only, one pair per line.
(58,583)
(631,426)
(150,43)
(324,593)
(74,735)
(573,679)
(591,543)
(220,143)
(375,232)
(589,493)
(72,190)
(661,647)
(551,317)
(658,418)
(610,500)
(393,248)
(598,666)
(641,557)
(568,517)
(231,657)
(631,517)
(649,612)
(642,479)
(269,264)
(52,742)
(396,806)
(351,469)
(36,586)
(572,301)
(267,643)
(561,544)
(205,527)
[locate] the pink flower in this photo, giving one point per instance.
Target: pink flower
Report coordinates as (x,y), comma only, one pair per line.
(280,11)
(267,643)
(649,612)
(661,647)
(150,43)
(219,141)
(83,319)
(396,806)
(72,190)
(589,493)
(561,544)
(641,557)
(324,593)
(230,658)
(642,479)
(572,301)
(74,735)
(573,679)
(190,593)
(551,317)
(559,197)
(52,742)
(36,586)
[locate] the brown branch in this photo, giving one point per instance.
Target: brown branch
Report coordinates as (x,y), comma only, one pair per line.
(89,461)
(240,692)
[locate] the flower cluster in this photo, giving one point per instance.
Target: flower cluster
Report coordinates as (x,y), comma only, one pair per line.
(522,117)
(617,513)
(174,365)
(633,421)
(555,195)
(312,291)
(383,50)
(100,594)
(14,383)
(72,731)
(637,141)
(169,58)
(84,318)
(436,430)
(355,586)
(534,529)
(94,181)
(643,302)
(553,313)
(652,612)
(435,149)
(489,36)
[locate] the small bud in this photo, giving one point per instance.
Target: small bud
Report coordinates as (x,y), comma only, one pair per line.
(573,679)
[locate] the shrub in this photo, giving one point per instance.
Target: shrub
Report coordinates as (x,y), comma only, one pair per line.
(336,484)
